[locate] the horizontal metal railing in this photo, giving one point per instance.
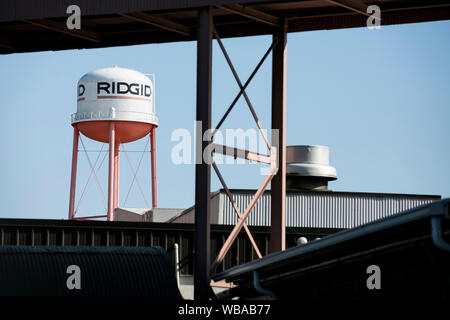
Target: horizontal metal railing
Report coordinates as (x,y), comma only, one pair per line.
(114,114)
(33,232)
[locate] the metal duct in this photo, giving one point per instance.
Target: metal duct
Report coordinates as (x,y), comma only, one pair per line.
(308,168)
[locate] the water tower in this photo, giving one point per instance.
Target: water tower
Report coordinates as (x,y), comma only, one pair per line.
(115,105)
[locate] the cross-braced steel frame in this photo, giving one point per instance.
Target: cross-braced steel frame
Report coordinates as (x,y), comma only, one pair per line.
(276,158)
(113,173)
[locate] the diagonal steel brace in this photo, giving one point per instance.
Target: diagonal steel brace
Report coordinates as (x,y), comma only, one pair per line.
(236,209)
(241,222)
(233,70)
(268,159)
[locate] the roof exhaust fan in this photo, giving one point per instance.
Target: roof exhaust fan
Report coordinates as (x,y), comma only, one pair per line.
(308,168)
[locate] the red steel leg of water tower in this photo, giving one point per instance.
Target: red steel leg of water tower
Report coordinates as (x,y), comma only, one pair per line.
(112,136)
(116,174)
(73,178)
(153,155)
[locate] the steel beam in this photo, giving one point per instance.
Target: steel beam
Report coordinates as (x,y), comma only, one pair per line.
(62,28)
(116,173)
(278,186)
(236,77)
(6,43)
(90,217)
(241,91)
(252,14)
(159,22)
(352,5)
(111,184)
(240,153)
(73,176)
(153,164)
(202,169)
(237,228)
(236,209)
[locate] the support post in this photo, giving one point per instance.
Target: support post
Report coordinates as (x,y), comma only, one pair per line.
(112,136)
(278,186)
(116,174)
(73,176)
(203,170)
(153,160)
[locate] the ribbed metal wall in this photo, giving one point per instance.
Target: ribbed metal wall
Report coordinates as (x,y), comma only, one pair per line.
(113,271)
(260,215)
(324,210)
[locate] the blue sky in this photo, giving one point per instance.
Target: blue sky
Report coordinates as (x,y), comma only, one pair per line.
(380,99)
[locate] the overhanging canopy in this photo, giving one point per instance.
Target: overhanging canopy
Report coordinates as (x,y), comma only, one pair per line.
(40,25)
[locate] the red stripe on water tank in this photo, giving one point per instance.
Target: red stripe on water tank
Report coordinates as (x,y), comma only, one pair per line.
(81,99)
(122,97)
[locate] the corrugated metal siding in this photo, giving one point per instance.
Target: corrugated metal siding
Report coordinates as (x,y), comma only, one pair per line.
(115,271)
(323,210)
(260,215)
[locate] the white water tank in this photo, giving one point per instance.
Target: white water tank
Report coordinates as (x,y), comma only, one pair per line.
(115,94)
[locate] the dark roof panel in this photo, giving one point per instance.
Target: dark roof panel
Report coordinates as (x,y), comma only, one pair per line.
(113,271)
(40,25)
(419,236)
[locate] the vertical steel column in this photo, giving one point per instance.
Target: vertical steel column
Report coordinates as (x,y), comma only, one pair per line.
(153,160)
(203,170)
(278,186)
(73,177)
(111,190)
(116,173)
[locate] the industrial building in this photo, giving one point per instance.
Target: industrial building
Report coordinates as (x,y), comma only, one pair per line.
(309,202)
(249,243)
(411,248)
(310,205)
(311,209)
(410,244)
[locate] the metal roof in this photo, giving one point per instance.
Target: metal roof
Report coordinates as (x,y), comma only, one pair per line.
(312,209)
(427,226)
(346,193)
(40,25)
(114,271)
